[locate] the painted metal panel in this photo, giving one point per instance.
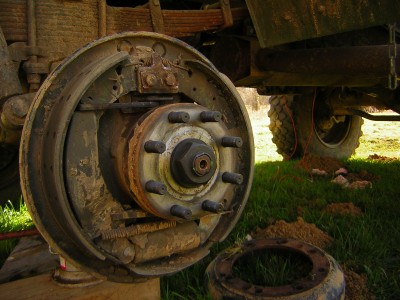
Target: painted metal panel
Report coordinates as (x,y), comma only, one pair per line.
(283,21)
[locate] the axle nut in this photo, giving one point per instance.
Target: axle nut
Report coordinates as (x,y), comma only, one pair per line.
(193,163)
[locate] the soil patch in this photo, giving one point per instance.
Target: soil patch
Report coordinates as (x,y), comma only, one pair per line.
(356,286)
(362,175)
(328,164)
(343,209)
(296,230)
(381,158)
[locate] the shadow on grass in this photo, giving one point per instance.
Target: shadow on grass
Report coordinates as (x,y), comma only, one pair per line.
(367,244)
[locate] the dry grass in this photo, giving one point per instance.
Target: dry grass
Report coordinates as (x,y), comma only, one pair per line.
(382,138)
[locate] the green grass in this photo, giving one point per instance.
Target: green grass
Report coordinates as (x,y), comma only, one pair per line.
(12,219)
(272,268)
(368,244)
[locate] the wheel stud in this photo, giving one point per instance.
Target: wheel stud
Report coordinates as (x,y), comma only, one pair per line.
(232,141)
(154,147)
(212,206)
(155,187)
(210,116)
(181,212)
(178,117)
(234,178)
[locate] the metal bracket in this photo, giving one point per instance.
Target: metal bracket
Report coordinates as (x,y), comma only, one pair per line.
(226,13)
(156,16)
(157,76)
(20,51)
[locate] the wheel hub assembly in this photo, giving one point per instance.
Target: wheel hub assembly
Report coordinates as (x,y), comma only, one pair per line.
(136,157)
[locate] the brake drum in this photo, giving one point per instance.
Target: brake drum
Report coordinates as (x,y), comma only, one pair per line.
(136,156)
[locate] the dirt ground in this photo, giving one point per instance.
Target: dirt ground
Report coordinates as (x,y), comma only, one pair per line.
(296,230)
(332,168)
(381,158)
(328,164)
(356,286)
(343,209)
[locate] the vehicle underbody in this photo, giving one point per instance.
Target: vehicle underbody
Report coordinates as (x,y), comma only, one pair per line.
(136,152)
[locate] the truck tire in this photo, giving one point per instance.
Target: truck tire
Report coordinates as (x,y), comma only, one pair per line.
(329,138)
(281,125)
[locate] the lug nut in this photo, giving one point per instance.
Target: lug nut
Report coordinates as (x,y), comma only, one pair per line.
(155,187)
(178,117)
(181,212)
(212,206)
(210,116)
(234,178)
(154,147)
(232,141)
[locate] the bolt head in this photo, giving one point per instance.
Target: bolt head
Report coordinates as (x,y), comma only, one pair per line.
(170,79)
(151,80)
(129,252)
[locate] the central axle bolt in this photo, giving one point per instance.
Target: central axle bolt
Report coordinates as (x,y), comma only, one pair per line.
(202,164)
(193,163)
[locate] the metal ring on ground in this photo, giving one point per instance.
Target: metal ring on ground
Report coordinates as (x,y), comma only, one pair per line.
(325,281)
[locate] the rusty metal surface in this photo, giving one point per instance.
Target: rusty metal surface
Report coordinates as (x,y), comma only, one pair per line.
(18,234)
(79,135)
(227,13)
(325,280)
(283,21)
(10,84)
(136,230)
(12,119)
(39,27)
(144,167)
(157,18)
(184,237)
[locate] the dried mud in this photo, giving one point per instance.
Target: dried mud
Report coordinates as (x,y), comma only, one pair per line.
(343,209)
(296,230)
